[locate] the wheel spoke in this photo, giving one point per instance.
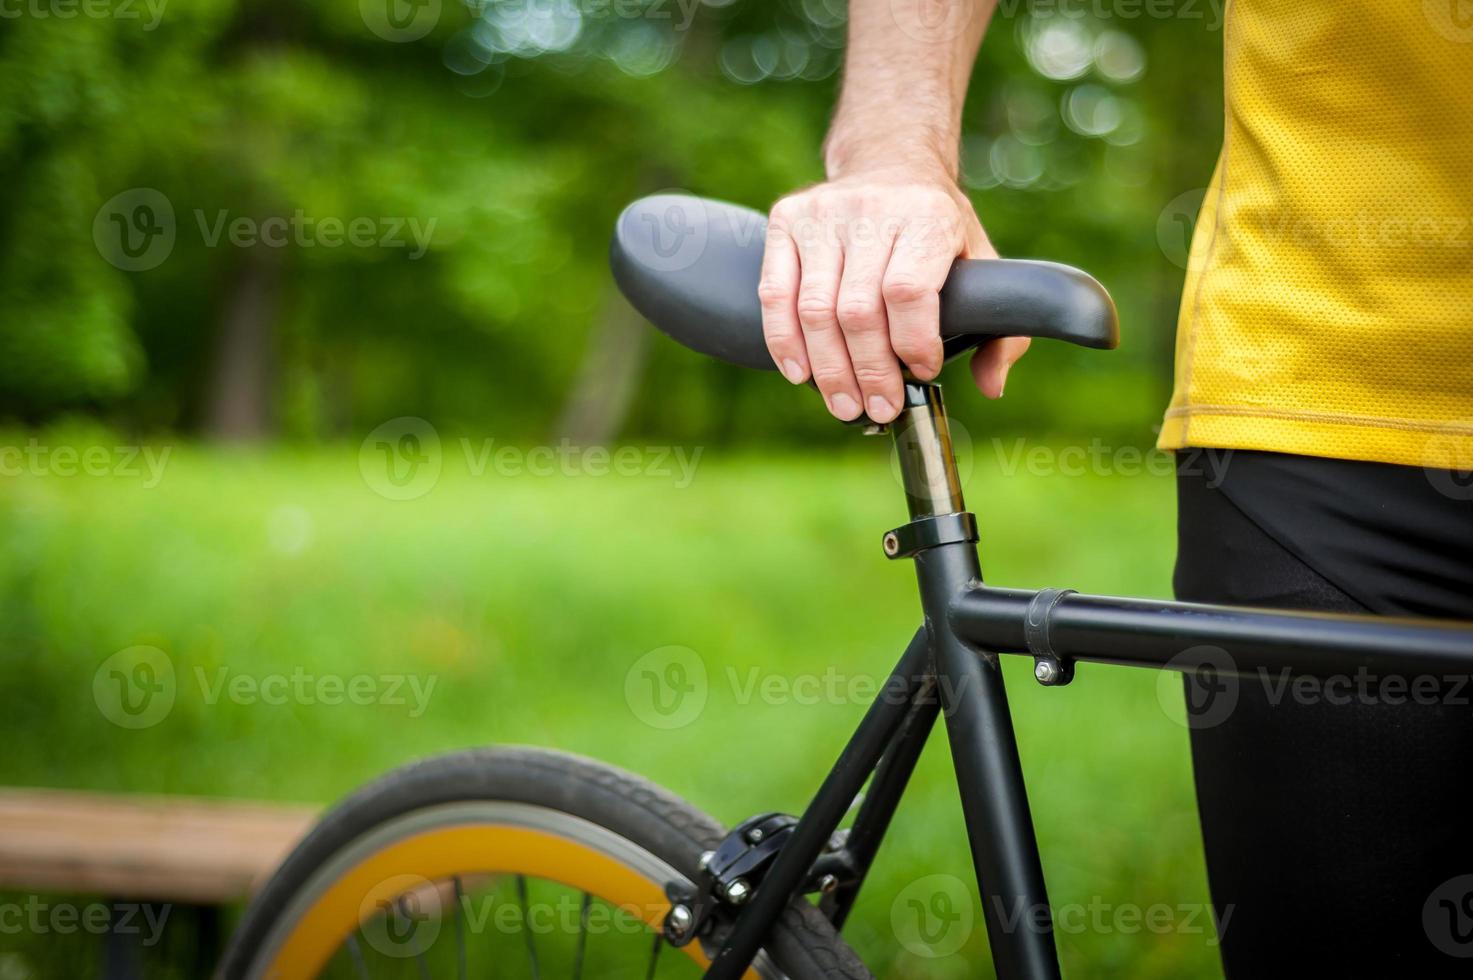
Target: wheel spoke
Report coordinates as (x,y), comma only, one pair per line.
(419,954)
(460,971)
(654,956)
(356,955)
(582,936)
(527,927)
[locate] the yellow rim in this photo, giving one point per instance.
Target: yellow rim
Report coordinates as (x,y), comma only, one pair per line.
(442,854)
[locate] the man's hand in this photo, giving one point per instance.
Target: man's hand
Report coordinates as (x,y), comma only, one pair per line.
(851,284)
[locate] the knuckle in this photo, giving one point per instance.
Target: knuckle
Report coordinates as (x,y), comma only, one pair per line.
(859,312)
(830,377)
(915,344)
(906,290)
(878,373)
(816,310)
(773,294)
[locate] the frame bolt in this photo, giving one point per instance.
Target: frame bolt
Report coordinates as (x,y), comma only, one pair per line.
(891,543)
(827,884)
(706,858)
(1046,671)
(681,919)
(738,891)
(755,835)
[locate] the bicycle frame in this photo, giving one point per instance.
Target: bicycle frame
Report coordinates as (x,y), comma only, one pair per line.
(952,667)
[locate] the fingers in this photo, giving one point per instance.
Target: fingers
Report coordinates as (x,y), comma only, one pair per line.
(851,286)
(911,288)
(991,363)
(861,314)
(778,292)
(822,263)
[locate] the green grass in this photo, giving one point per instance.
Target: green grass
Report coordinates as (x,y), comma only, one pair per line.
(527,601)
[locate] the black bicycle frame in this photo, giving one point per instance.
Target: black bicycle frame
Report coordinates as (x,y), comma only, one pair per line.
(952,667)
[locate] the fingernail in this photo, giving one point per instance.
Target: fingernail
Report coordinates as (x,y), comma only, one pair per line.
(793,371)
(880,410)
(843,406)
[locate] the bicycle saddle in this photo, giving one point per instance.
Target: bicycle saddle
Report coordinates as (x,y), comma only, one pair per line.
(690,265)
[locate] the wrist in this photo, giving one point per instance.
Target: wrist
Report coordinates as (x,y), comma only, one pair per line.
(908,155)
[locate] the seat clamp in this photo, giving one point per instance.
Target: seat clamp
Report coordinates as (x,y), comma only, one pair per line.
(911,539)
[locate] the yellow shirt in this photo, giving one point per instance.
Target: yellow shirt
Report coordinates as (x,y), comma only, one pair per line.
(1328,307)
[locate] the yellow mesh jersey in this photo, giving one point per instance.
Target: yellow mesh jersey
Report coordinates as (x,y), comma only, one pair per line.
(1328,306)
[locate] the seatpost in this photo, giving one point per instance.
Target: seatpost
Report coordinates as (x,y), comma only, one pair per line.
(927,460)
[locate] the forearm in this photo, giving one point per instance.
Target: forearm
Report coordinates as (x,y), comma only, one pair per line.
(905,79)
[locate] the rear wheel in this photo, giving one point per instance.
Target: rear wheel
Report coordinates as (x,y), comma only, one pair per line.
(505,862)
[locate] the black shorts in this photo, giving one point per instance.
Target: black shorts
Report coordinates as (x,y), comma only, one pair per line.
(1337,817)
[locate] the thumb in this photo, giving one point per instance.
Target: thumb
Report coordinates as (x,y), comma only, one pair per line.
(990,365)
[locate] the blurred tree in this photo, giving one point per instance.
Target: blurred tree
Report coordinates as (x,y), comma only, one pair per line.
(178,245)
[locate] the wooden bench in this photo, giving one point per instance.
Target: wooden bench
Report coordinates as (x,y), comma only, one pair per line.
(180,851)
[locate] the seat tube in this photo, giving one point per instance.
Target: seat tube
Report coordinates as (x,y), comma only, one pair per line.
(978,723)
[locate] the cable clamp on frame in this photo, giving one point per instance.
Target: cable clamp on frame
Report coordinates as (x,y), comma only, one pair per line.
(1049,668)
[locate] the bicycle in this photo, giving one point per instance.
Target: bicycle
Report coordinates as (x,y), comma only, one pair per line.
(390,868)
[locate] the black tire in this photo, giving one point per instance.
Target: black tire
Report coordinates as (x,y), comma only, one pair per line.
(804,945)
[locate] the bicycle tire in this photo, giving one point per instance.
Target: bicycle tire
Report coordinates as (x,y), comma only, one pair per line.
(560,794)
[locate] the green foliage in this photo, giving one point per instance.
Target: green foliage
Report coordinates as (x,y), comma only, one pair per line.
(514,132)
